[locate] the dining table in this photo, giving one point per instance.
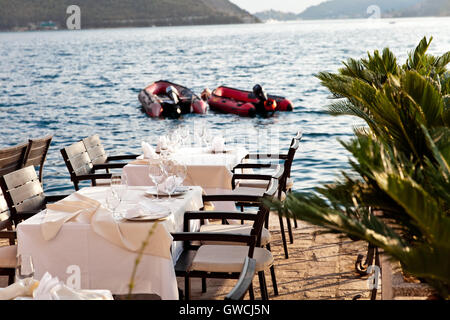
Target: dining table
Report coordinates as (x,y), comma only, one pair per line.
(206,168)
(82,243)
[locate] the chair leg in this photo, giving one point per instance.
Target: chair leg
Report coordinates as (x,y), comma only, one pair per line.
(251,292)
(263,286)
(11,279)
(203,285)
(291,236)
(272,274)
(187,288)
(283,237)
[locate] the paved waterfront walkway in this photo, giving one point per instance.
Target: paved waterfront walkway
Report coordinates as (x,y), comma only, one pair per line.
(320,267)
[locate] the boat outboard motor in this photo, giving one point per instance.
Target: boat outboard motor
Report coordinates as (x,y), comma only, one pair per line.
(259,92)
(173,109)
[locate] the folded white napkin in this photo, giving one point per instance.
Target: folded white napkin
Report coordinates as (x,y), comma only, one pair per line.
(146,209)
(171,183)
(148,150)
(52,289)
(218,144)
(23,288)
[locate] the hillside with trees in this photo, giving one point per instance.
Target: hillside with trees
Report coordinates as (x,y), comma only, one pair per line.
(121,13)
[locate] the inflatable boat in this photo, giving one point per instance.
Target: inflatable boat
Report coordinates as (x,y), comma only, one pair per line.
(246,103)
(167,99)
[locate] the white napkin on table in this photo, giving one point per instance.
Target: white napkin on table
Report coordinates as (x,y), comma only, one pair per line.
(23,288)
(148,150)
(146,209)
(171,182)
(52,289)
(218,144)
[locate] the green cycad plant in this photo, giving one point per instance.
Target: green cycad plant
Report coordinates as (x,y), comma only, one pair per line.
(397,195)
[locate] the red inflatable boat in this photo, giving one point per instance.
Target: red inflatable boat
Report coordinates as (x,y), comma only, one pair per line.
(167,99)
(246,103)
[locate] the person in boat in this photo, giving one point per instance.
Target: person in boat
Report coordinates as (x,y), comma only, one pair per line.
(171,107)
(264,104)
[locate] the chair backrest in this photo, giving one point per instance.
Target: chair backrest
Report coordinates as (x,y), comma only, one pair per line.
(22,191)
(37,153)
(95,149)
(244,282)
(77,160)
(5,215)
(12,159)
(290,159)
(264,210)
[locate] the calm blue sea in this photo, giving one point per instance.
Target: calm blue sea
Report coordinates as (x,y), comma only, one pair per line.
(73,84)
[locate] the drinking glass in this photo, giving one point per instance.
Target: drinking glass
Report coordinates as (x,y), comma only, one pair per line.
(157,174)
(24,267)
(112,202)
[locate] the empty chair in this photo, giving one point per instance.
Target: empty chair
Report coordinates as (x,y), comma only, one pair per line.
(12,158)
(37,153)
(222,260)
(24,194)
(80,166)
(99,157)
(248,178)
(245,281)
(8,253)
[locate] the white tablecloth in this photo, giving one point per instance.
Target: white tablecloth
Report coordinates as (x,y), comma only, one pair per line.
(104,265)
(204,168)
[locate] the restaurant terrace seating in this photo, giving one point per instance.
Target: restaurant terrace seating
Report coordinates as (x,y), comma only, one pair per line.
(37,153)
(12,158)
(24,194)
(98,155)
(248,177)
(248,197)
(224,261)
(81,168)
(7,253)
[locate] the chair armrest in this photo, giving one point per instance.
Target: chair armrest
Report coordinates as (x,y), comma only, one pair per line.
(220,237)
(232,198)
(104,166)
(262,156)
(254,166)
(203,215)
(123,157)
(50,199)
(11,235)
(94,176)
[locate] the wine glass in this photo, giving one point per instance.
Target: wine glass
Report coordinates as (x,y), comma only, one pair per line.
(112,202)
(157,174)
(24,267)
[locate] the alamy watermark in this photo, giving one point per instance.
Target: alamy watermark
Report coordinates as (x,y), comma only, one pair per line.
(73,22)
(374,12)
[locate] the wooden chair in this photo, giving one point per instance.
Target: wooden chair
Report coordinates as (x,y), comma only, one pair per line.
(98,155)
(37,153)
(225,261)
(80,166)
(245,281)
(12,158)
(7,253)
(24,194)
(248,178)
